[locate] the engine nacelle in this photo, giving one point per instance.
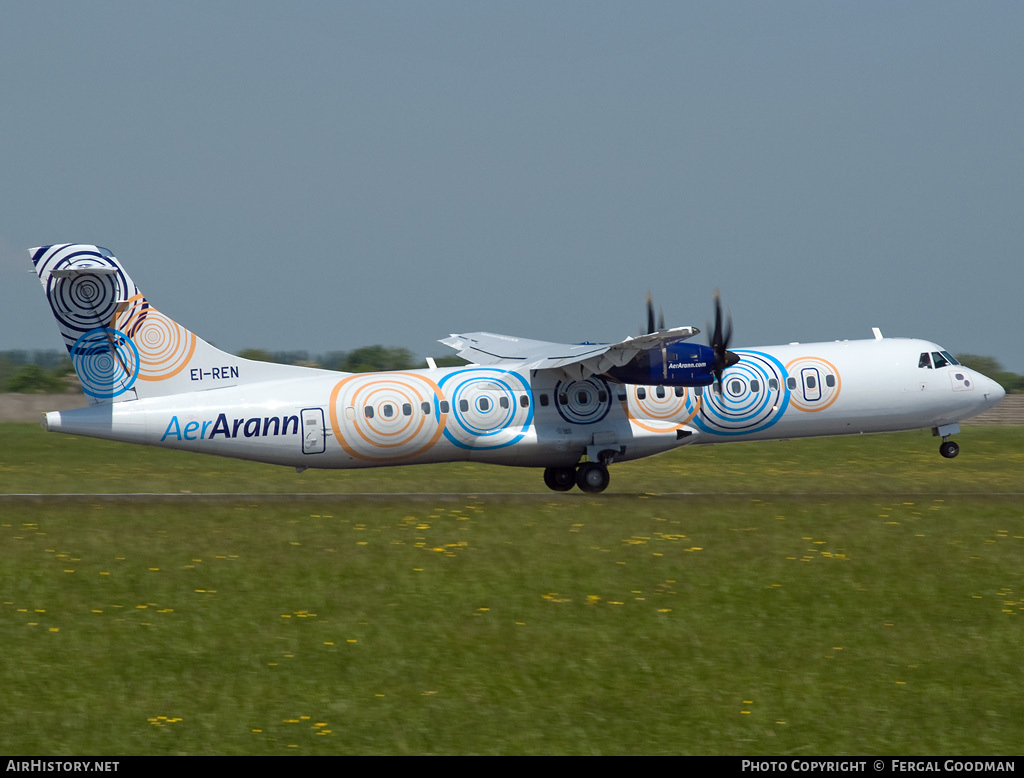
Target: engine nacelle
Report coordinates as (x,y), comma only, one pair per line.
(678,364)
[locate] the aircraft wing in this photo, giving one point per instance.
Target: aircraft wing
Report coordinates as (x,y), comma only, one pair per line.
(578,360)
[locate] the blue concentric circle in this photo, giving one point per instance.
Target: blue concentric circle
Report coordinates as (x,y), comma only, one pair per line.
(107,362)
(754,396)
(486,411)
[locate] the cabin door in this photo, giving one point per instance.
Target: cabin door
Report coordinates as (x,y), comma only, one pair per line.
(314,434)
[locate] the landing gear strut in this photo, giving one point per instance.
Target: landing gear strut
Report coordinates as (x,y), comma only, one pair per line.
(591,477)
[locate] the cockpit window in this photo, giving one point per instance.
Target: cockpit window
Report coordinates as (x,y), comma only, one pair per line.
(925,360)
(939,360)
(949,358)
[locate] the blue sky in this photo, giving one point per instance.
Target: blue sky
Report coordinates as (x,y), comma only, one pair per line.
(327,175)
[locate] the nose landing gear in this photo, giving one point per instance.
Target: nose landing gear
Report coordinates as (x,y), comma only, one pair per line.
(947,448)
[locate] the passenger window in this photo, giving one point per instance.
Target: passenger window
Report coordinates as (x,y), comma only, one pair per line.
(680,391)
(622,395)
(425,407)
(544,400)
(444,406)
(773,385)
(699,391)
(503,401)
(812,382)
(755,386)
(524,400)
(483,404)
(830,380)
(582,397)
(939,360)
(791,382)
(659,392)
(463,405)
(350,412)
(563,398)
(735,387)
(602,396)
(641,393)
(368,412)
(388,411)
(406,409)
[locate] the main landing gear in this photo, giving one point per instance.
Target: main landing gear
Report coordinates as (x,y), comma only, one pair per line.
(949,449)
(590,477)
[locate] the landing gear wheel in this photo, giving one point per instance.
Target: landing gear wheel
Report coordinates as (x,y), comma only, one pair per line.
(592,477)
(560,479)
(949,449)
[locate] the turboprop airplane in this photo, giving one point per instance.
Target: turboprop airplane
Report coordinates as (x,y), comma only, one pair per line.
(572,409)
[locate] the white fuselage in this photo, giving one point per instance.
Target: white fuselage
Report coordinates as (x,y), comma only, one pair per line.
(324,419)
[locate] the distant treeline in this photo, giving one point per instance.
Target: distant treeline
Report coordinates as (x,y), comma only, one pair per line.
(991,367)
(51,371)
(36,371)
(361,360)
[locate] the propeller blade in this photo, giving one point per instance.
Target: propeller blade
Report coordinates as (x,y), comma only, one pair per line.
(720,344)
(651,330)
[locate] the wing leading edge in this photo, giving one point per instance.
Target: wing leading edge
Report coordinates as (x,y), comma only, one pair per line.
(578,360)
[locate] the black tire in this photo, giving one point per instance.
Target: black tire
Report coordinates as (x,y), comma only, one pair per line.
(592,477)
(949,449)
(560,479)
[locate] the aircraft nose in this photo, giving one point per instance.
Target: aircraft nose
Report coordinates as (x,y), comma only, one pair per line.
(991,390)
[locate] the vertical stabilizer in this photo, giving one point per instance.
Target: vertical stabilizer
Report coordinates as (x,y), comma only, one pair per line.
(121,346)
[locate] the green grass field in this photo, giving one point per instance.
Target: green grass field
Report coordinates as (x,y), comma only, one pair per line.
(992,460)
(878,611)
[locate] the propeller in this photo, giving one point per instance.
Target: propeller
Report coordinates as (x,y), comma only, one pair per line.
(650,317)
(651,330)
(720,343)
(719,340)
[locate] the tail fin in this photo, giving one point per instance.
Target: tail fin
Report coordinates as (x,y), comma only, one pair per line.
(121,346)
